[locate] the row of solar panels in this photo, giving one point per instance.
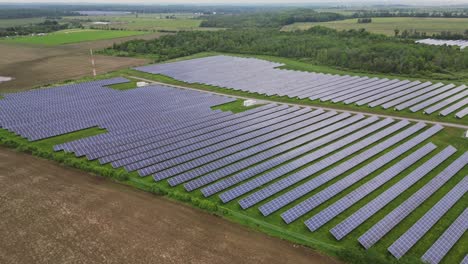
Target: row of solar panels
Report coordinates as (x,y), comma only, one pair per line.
(263,157)
(44,113)
(258,76)
(278,145)
(441,42)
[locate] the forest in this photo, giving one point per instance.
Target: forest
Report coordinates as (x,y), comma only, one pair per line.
(274,19)
(10,13)
(353,49)
(461,13)
(44,27)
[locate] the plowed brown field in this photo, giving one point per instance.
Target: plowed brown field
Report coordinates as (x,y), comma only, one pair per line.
(53,214)
(32,66)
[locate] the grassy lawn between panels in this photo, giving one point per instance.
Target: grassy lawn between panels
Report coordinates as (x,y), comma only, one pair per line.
(348,249)
(71,36)
(387,25)
(302,66)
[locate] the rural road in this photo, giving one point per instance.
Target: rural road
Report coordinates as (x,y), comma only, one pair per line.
(303,105)
(54,214)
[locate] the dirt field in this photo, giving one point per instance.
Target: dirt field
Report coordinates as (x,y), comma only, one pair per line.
(52,214)
(31,66)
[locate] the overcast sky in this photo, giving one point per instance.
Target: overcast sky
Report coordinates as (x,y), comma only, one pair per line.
(409,2)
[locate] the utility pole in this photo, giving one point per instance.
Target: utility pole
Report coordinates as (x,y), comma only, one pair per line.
(92,62)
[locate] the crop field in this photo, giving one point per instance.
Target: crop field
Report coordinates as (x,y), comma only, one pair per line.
(433,100)
(71,36)
(26,63)
(20,21)
(145,22)
(387,26)
(305,174)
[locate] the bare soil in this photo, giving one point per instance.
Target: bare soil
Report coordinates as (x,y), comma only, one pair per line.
(53,214)
(33,66)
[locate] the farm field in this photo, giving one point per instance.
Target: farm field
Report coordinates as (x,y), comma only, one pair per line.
(66,202)
(71,36)
(144,22)
(27,63)
(20,21)
(302,144)
(387,26)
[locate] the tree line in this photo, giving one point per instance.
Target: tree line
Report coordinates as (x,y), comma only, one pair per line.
(406,13)
(10,13)
(353,49)
(269,19)
(44,27)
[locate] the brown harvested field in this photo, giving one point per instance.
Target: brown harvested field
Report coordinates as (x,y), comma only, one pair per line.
(52,214)
(32,66)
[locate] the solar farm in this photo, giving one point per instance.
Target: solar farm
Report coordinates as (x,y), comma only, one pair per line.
(263,77)
(349,180)
(440,42)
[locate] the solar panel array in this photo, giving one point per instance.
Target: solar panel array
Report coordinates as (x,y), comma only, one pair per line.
(420,228)
(263,77)
(441,42)
(44,113)
(271,158)
(446,241)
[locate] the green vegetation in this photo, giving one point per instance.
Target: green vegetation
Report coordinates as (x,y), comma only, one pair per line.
(43,27)
(350,50)
(141,22)
(273,19)
(71,36)
(14,12)
(387,25)
(235,107)
(20,22)
(125,86)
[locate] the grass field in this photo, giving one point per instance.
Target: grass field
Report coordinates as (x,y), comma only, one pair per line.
(20,21)
(71,36)
(387,26)
(148,22)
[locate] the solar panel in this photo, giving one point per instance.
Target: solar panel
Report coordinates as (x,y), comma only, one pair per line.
(398,214)
(423,97)
(362,191)
(368,210)
(319,198)
(316,182)
(465,260)
(264,77)
(425,223)
(265,178)
(446,102)
(437,98)
(316,167)
(454,107)
(462,113)
(312,144)
(442,246)
(265,150)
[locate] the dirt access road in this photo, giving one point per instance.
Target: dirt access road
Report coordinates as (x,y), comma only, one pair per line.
(53,214)
(32,66)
